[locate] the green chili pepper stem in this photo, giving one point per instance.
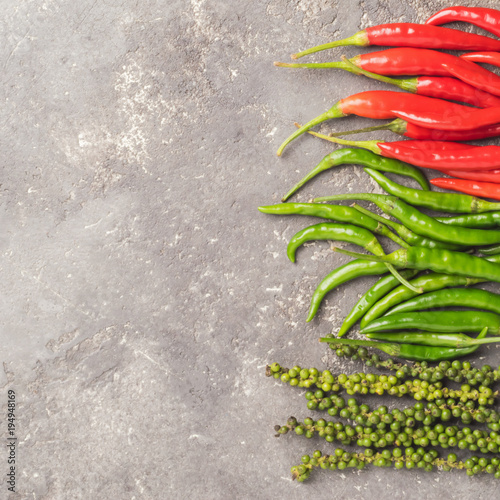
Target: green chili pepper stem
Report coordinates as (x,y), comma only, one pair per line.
(370,145)
(361,157)
(335,64)
(457,340)
(400,278)
(398,126)
(408,84)
(333,112)
(360,39)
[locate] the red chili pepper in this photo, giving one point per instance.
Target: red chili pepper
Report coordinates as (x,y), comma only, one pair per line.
(483,189)
(476,175)
(425,111)
(488,19)
(413,131)
(423,154)
(410,61)
(482,57)
(411,35)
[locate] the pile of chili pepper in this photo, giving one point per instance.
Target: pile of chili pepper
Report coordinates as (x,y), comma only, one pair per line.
(440,257)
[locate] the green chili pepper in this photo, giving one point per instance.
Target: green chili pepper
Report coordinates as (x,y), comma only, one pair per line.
(333,212)
(338,232)
(410,351)
(428,283)
(492,250)
(473,297)
(423,224)
(456,340)
(372,295)
(478,221)
(437,321)
(443,202)
(409,236)
(346,272)
(362,157)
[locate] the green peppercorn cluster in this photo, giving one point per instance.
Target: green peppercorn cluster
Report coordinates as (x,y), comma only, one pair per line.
(456,371)
(399,458)
(407,437)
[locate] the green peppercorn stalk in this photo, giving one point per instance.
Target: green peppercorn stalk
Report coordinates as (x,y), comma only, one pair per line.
(397,419)
(400,458)
(370,383)
(451,436)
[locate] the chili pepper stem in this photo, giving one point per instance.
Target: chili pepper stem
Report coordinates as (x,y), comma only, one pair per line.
(333,112)
(398,126)
(409,84)
(360,39)
(400,278)
(334,64)
(370,145)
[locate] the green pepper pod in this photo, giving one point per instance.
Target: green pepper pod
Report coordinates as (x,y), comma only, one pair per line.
(428,283)
(346,272)
(456,340)
(409,236)
(423,224)
(452,297)
(437,321)
(434,200)
(371,296)
(361,157)
(338,213)
(338,232)
(478,221)
(411,352)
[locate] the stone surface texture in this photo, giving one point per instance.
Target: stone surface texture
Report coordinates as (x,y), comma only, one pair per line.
(142,291)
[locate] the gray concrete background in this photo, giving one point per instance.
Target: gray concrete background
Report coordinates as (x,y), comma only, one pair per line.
(142,292)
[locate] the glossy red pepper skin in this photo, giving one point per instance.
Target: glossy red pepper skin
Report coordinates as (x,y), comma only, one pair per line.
(424,111)
(422,133)
(428,36)
(479,175)
(453,89)
(476,188)
(488,19)
(410,61)
(472,158)
(482,57)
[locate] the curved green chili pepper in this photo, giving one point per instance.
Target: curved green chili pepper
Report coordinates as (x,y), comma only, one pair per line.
(459,297)
(437,321)
(421,223)
(443,202)
(346,272)
(362,157)
(410,351)
(409,236)
(338,232)
(478,221)
(373,294)
(428,283)
(338,213)
(456,340)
